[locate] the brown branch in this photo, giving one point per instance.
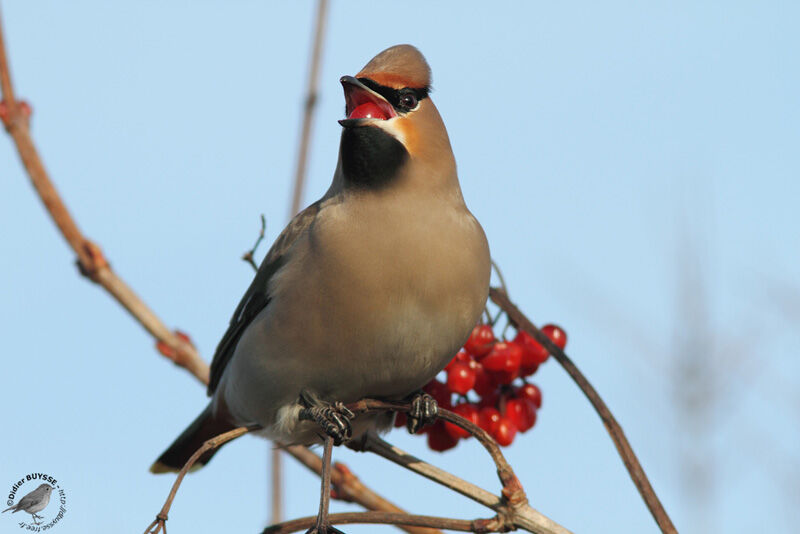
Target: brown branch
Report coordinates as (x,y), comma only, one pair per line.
(525,517)
(512,489)
(617,435)
(513,504)
(308,112)
(91,260)
(158,523)
(389,518)
(348,487)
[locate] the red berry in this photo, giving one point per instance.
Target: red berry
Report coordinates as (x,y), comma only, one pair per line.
(480,341)
(531,393)
(490,399)
(504,377)
(439,392)
(484,385)
(504,356)
(488,418)
(522,413)
(460,378)
(367,110)
(439,439)
(466,410)
(556,335)
(533,352)
(505,431)
(525,370)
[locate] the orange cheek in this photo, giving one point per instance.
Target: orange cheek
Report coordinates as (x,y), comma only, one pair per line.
(410,135)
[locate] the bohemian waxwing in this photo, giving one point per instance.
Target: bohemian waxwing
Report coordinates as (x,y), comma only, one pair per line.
(369,291)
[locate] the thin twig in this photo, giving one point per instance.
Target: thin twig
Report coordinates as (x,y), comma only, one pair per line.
(512,489)
(91,261)
(249,256)
(348,487)
(390,518)
(614,429)
(310,103)
(158,523)
(297,191)
(514,503)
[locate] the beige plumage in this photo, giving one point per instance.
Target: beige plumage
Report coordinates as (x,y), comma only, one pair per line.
(368,292)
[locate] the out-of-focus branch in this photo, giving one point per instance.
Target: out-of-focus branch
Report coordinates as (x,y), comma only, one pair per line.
(91,260)
(297,198)
(310,103)
(612,426)
(348,487)
(389,518)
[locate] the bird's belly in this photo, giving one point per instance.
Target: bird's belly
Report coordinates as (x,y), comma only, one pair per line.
(370,319)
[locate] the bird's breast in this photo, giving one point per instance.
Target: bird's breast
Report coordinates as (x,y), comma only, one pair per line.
(395,288)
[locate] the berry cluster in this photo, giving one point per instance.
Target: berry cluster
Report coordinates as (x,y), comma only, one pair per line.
(495,371)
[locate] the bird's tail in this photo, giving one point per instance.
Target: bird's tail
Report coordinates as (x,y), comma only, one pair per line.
(205,427)
(9,508)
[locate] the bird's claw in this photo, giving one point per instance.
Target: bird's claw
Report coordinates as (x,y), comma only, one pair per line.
(424,411)
(334,419)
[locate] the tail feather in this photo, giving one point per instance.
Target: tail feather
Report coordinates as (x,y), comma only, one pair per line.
(202,429)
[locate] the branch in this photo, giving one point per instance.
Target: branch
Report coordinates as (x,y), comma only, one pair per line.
(311,101)
(158,523)
(617,435)
(513,505)
(91,261)
(388,518)
(348,487)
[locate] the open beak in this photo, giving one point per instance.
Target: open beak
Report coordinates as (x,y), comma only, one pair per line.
(362,103)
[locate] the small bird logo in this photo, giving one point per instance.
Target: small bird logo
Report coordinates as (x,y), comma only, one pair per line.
(34,502)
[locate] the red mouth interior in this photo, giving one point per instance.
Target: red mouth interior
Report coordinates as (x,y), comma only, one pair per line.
(362,104)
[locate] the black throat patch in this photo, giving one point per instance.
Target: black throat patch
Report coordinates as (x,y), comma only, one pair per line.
(370,156)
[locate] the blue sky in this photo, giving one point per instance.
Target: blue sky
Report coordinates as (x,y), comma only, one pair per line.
(634,165)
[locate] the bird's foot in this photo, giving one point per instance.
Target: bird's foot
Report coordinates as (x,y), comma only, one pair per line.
(334,419)
(37,519)
(424,411)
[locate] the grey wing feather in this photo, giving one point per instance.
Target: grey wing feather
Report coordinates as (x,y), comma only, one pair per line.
(256,297)
(25,502)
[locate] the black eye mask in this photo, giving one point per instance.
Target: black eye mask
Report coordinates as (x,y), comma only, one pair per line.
(395,96)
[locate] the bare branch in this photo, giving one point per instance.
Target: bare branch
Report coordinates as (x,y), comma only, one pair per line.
(348,487)
(513,505)
(310,103)
(390,518)
(91,260)
(614,429)
(249,255)
(158,523)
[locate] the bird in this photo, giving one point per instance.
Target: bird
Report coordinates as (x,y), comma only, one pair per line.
(368,292)
(33,502)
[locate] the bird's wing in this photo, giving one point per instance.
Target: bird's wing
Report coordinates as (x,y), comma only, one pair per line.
(26,501)
(256,298)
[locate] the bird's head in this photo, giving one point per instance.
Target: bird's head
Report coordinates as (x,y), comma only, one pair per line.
(391,120)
